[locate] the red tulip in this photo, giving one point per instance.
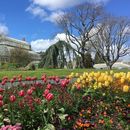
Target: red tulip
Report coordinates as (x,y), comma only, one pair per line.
(28,78)
(5,78)
(23,85)
(53,77)
(14,77)
(57,79)
(1,97)
(21,93)
(67,81)
(38,101)
(19,79)
(50,77)
(12,81)
(21,104)
(43,77)
(12,98)
(1,103)
(45,92)
(63,83)
(1,90)
(49,96)
(33,88)
(49,86)
(45,80)
(3,83)
(34,78)
(38,84)
(29,91)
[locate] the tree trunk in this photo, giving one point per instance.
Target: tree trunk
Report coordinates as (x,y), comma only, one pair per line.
(84,65)
(109,66)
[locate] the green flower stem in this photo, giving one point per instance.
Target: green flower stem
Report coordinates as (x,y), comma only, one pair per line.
(49,111)
(11,113)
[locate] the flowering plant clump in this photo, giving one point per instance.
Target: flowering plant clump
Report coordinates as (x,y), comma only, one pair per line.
(103,92)
(94,100)
(31,102)
(10,127)
(102,113)
(97,80)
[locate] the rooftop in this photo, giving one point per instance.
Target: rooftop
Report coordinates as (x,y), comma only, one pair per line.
(13,40)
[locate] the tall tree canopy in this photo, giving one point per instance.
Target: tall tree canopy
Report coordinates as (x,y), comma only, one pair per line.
(78,25)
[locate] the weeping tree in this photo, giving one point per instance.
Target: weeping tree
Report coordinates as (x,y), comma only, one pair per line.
(57,55)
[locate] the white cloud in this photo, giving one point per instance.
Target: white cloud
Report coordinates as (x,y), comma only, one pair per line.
(54,16)
(37,11)
(57,4)
(60,36)
(43,44)
(61,4)
(3,29)
(48,10)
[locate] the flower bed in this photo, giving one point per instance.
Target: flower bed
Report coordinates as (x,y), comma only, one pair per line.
(78,102)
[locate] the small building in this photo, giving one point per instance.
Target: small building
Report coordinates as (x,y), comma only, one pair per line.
(7,43)
(117,65)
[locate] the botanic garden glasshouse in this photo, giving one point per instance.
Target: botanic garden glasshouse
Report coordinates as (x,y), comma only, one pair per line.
(7,44)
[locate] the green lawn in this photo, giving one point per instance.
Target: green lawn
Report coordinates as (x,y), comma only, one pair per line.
(39,72)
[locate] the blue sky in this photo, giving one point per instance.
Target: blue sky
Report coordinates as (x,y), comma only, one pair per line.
(35,19)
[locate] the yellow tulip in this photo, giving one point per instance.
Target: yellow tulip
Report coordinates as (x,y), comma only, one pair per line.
(83,82)
(77,74)
(84,76)
(81,78)
(122,80)
(78,80)
(125,88)
(106,83)
(99,85)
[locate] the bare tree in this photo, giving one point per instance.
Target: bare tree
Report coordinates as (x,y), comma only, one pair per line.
(20,56)
(111,42)
(78,26)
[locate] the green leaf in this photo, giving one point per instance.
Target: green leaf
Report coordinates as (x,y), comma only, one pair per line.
(49,127)
(62,116)
(62,110)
